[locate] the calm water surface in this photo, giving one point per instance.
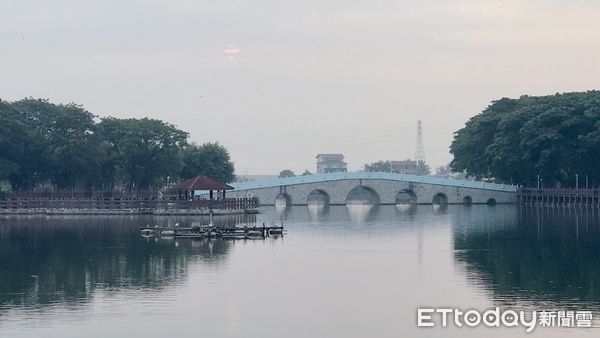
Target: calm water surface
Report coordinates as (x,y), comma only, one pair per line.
(338,272)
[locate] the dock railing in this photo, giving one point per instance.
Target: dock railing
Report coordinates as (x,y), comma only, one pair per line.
(144,202)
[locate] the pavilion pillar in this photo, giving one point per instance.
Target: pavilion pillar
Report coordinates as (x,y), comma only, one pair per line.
(210,208)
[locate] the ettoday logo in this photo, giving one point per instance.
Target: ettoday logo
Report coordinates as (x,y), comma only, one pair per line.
(497,317)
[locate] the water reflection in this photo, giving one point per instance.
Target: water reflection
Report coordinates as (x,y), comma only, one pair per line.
(439,209)
(317,210)
(395,258)
(532,254)
(282,210)
(51,260)
(359,212)
(404,206)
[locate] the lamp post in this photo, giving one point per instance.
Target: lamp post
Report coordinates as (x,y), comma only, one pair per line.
(538,181)
(168,181)
(576,181)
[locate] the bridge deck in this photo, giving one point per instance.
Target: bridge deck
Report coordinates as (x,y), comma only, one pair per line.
(317,178)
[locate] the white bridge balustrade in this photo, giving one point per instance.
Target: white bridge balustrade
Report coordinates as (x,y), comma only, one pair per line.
(373,187)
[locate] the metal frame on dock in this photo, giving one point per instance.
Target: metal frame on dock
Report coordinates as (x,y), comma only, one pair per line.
(213,232)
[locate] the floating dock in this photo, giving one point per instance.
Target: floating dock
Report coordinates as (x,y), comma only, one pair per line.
(206,231)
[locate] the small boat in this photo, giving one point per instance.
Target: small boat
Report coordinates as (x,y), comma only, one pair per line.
(167,233)
(147,233)
(254,233)
(276,232)
(234,235)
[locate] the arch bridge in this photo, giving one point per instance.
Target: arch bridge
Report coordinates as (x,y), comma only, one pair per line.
(372,188)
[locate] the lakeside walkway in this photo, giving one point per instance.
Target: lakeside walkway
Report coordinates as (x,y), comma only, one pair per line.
(126,205)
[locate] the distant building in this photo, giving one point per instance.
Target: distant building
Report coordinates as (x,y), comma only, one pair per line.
(404,167)
(331,163)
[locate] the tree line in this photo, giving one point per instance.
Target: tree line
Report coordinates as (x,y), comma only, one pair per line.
(67,147)
(554,137)
(422,168)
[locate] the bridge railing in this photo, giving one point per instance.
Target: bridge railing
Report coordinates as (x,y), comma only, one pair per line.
(320,178)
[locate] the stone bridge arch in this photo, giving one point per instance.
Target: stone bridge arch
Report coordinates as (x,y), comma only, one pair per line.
(406,197)
(362,195)
(318,197)
(440,199)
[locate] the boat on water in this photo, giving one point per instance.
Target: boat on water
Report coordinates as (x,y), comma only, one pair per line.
(147,233)
(254,233)
(276,231)
(167,233)
(233,235)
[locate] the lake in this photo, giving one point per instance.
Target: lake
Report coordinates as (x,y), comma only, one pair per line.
(339,271)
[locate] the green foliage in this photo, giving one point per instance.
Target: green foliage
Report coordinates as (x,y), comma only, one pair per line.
(423,168)
(62,145)
(379,166)
(286,173)
(306,173)
(443,170)
(209,159)
(144,150)
(515,140)
(54,142)
(386,166)
(12,140)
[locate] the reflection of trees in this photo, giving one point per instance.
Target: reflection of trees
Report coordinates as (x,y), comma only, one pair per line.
(541,254)
(43,261)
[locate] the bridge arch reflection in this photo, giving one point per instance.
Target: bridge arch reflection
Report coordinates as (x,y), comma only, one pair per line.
(440,199)
(467,200)
(362,195)
(282,200)
(406,197)
(318,198)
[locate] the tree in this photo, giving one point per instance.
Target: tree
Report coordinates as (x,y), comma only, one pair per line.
(443,170)
(143,151)
(379,166)
(306,173)
(286,173)
(423,168)
(514,140)
(62,145)
(209,159)
(12,140)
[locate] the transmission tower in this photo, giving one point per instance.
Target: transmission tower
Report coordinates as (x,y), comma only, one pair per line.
(419,149)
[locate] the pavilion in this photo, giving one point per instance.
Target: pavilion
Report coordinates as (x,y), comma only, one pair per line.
(189,189)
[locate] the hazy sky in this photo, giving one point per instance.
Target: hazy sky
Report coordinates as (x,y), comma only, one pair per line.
(277,82)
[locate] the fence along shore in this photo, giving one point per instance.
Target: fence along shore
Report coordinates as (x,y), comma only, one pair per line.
(559,197)
(109,203)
